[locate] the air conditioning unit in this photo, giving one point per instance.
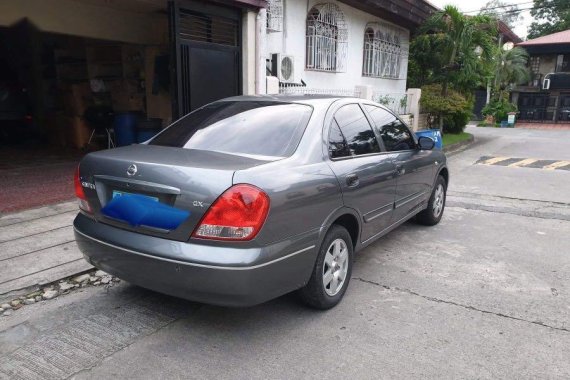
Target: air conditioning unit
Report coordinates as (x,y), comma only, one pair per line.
(283,67)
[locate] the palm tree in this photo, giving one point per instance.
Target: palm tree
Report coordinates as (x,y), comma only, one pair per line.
(510,68)
(464,40)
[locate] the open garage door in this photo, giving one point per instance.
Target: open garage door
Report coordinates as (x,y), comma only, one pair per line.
(206,46)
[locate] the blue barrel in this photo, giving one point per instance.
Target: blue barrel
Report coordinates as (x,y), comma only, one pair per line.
(433,134)
(147,128)
(125,128)
(504,124)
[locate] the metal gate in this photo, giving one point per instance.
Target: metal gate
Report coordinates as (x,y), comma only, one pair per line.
(544,107)
(533,107)
(564,108)
(480,101)
(206,42)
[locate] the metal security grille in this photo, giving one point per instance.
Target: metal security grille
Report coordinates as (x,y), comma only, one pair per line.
(195,26)
(206,47)
(383,51)
(326,39)
(275,15)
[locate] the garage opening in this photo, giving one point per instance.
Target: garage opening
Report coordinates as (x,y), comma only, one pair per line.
(62,96)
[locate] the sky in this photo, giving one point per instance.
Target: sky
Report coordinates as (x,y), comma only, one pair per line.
(473,5)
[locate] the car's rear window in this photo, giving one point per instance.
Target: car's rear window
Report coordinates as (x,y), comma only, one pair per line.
(258,128)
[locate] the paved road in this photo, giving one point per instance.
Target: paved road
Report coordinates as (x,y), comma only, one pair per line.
(485,294)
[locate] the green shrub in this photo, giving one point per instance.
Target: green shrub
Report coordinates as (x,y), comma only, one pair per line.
(499,109)
(455,109)
(456,122)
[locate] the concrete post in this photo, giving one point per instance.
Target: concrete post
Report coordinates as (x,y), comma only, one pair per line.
(260,46)
(414,95)
(366,92)
(248,52)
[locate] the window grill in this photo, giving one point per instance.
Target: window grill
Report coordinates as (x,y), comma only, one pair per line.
(275,15)
(534,63)
(327,39)
(383,51)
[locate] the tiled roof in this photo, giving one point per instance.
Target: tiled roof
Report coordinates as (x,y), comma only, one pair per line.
(555,38)
(508,34)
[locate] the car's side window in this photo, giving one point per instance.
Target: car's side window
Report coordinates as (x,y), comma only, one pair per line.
(337,143)
(356,130)
(395,135)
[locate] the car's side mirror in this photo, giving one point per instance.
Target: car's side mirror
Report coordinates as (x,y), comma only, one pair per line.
(425,143)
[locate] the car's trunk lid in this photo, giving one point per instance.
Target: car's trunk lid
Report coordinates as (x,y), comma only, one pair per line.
(169,189)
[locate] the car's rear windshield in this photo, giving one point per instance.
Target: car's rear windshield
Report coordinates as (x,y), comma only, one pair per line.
(258,128)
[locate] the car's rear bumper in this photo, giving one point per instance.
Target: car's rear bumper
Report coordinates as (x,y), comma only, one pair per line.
(240,277)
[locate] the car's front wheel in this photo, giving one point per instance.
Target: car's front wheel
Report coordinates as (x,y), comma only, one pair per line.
(434,211)
(332,271)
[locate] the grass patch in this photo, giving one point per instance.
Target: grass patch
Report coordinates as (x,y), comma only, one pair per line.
(449,139)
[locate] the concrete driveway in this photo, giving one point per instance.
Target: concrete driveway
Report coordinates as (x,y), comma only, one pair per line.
(485,294)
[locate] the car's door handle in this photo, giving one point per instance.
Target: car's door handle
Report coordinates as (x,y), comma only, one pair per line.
(400,170)
(352,180)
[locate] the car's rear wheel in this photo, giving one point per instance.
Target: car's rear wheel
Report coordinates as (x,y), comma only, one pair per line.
(332,270)
(434,211)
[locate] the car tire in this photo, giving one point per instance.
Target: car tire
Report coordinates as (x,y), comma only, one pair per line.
(434,211)
(332,270)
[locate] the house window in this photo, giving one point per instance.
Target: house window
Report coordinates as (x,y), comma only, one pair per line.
(275,15)
(383,51)
(327,39)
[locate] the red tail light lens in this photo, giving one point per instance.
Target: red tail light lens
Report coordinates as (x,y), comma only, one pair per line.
(80,193)
(238,214)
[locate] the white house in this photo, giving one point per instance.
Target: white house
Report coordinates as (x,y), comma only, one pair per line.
(341,47)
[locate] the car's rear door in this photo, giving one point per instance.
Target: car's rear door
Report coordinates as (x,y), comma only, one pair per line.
(414,167)
(365,174)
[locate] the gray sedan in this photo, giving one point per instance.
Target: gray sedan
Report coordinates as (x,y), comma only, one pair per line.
(249,198)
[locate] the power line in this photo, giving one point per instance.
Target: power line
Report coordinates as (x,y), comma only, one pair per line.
(500,6)
(533,8)
(518,9)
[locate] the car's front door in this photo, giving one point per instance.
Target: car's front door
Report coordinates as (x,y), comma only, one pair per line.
(365,174)
(414,167)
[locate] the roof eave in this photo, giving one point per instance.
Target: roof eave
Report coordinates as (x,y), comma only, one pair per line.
(409,14)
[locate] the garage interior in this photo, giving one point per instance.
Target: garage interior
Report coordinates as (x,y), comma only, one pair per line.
(83,75)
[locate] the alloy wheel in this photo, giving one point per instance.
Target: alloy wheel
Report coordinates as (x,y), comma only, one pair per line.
(438,201)
(335,267)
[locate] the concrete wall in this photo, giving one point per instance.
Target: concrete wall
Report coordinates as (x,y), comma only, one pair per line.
(291,41)
(86,20)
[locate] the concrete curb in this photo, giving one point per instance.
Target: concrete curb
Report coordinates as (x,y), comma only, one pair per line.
(460,146)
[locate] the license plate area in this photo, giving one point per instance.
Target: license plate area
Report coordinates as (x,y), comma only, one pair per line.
(120,193)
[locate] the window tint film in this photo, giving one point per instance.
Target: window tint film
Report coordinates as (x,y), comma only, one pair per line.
(356,130)
(246,127)
(395,135)
(337,143)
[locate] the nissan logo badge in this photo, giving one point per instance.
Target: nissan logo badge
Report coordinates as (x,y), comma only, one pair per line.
(132,170)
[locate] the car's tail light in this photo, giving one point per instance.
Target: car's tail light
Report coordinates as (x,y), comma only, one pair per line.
(80,193)
(238,214)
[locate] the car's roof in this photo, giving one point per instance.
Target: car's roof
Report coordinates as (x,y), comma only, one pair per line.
(289,98)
